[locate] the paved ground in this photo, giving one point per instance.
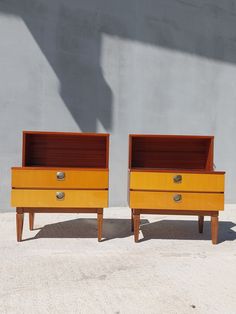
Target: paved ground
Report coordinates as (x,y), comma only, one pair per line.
(62,268)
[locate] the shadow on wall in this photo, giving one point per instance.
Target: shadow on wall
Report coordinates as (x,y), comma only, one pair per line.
(70,41)
(69,34)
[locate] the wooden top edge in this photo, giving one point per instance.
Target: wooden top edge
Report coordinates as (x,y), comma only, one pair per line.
(59,168)
(25,132)
(176,171)
(172,136)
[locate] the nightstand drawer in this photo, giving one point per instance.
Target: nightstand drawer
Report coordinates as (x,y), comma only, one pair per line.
(59,198)
(140,180)
(176,200)
(59,178)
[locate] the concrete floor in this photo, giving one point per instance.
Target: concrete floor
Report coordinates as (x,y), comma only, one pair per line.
(61,268)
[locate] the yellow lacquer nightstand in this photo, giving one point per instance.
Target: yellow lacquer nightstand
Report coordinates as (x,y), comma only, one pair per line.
(174,175)
(61,172)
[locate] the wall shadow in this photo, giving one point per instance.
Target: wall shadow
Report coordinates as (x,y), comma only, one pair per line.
(86,228)
(72,45)
(186,230)
(69,33)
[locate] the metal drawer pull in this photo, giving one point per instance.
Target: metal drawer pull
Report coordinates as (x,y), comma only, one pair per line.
(177,198)
(177,178)
(60,176)
(60,196)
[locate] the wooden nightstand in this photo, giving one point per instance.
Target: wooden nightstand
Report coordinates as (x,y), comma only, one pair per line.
(61,173)
(174,175)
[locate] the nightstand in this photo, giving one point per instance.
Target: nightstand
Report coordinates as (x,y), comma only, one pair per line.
(61,173)
(173,175)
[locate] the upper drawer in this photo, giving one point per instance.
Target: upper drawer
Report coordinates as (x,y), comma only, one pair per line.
(196,182)
(59,178)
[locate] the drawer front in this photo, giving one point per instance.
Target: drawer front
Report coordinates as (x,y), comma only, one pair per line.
(59,198)
(176,181)
(67,179)
(176,200)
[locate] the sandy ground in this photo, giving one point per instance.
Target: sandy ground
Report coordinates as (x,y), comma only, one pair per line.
(61,268)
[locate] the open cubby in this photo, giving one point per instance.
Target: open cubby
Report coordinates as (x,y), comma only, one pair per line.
(171,152)
(57,149)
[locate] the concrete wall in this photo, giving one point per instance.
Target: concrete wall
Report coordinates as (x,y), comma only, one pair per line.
(127,66)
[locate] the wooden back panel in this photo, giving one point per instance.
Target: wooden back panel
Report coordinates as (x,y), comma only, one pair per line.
(171,152)
(58,149)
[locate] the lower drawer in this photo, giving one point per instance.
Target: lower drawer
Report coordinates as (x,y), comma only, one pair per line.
(175,200)
(59,198)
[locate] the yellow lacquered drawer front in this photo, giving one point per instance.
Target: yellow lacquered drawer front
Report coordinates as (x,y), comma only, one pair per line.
(59,198)
(178,200)
(66,179)
(176,181)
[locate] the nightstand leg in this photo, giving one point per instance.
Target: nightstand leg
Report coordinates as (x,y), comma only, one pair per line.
(136,218)
(132,220)
(100,220)
(31,221)
(200,223)
(214,229)
(19,223)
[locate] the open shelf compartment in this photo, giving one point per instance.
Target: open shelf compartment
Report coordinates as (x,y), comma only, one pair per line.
(171,152)
(58,149)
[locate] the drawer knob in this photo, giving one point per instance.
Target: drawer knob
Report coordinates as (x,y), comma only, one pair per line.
(60,196)
(177,178)
(177,198)
(60,175)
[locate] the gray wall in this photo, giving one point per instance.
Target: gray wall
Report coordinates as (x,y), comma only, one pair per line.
(153,66)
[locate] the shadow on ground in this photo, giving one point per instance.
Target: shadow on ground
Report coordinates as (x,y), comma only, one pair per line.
(86,228)
(186,230)
(121,228)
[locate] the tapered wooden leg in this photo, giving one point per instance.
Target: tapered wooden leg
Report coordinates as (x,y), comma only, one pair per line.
(214,229)
(132,220)
(19,223)
(100,221)
(200,223)
(31,221)
(136,218)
